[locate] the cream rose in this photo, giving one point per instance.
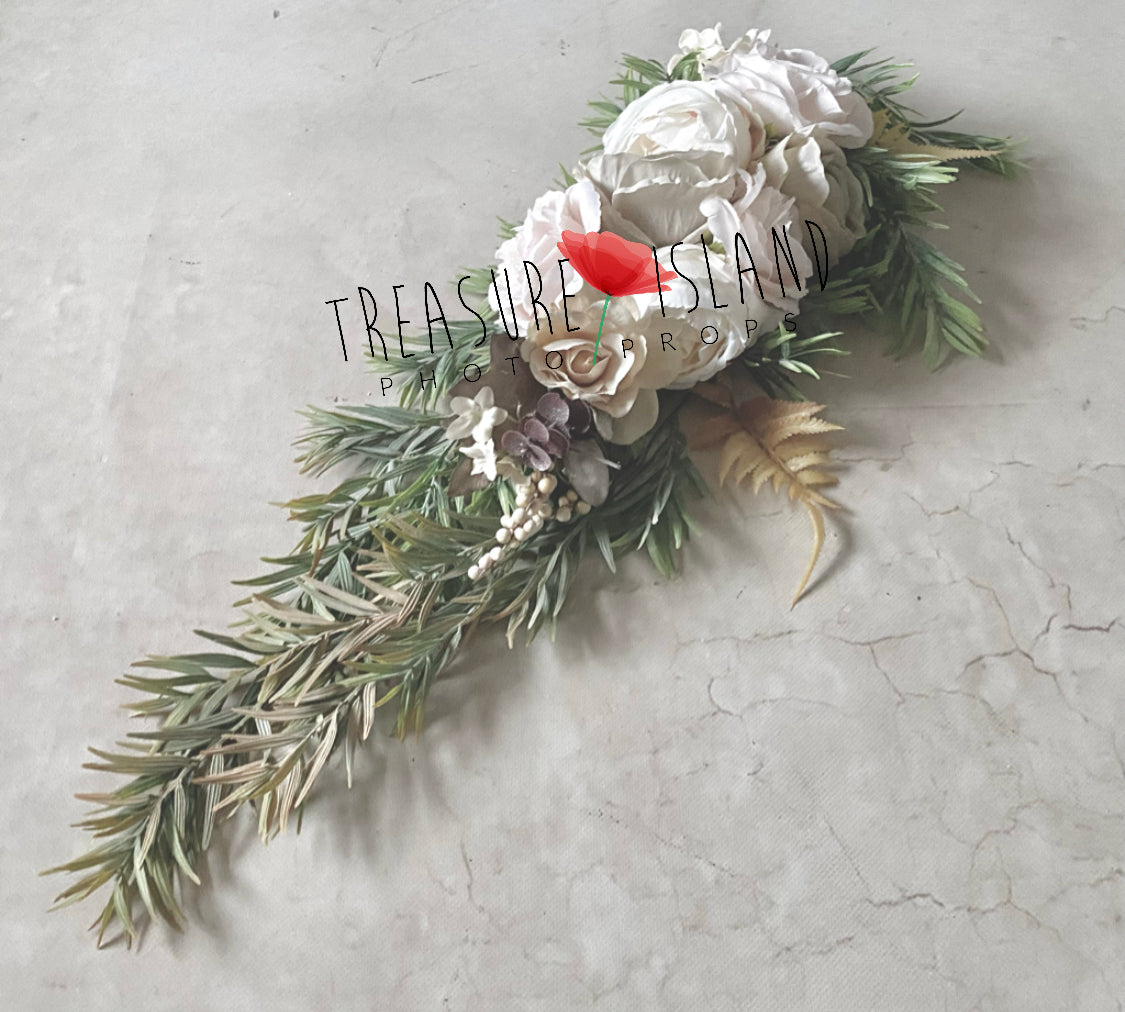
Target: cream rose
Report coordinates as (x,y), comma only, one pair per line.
(661,195)
(565,361)
(815,173)
(693,340)
(668,151)
(790,89)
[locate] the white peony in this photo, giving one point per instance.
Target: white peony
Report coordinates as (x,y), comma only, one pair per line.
(790,89)
(661,195)
(668,151)
(815,173)
(578,208)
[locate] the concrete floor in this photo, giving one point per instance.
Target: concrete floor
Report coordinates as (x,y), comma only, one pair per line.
(907,793)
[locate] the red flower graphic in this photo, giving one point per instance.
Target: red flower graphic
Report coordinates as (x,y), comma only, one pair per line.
(614,266)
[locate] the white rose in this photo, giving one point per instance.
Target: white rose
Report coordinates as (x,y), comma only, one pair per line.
(668,151)
(578,208)
(755,213)
(791,89)
(693,340)
(610,384)
(685,116)
(815,173)
(688,349)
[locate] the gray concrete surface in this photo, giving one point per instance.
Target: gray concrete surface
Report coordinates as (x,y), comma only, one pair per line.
(908,793)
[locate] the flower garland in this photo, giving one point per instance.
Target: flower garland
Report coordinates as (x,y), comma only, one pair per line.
(741,168)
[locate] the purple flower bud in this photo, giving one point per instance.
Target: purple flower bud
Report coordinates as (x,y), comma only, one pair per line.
(581,418)
(527,450)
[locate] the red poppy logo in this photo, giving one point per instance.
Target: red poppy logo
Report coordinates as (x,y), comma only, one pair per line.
(614,266)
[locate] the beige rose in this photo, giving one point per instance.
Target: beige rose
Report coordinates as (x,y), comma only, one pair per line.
(686,116)
(565,361)
(669,150)
(700,339)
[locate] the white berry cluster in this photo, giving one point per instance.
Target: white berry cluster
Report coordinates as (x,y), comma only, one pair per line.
(570,504)
(533,508)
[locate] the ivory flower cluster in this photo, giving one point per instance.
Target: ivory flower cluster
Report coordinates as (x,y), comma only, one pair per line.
(751,151)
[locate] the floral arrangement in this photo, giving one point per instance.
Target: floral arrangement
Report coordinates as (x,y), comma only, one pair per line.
(744,169)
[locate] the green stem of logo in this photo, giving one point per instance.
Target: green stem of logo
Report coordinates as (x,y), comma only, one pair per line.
(605,308)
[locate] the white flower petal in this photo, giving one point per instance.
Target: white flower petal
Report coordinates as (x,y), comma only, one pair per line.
(458,429)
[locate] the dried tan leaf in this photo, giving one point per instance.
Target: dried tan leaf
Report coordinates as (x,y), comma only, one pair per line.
(369,704)
(287,795)
(320,757)
(896,137)
(338,599)
(379,589)
(266,807)
(235,775)
(779,442)
(150,833)
(351,735)
(211,800)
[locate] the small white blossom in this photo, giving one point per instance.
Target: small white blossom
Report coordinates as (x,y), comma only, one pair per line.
(705,44)
(483,456)
(476,417)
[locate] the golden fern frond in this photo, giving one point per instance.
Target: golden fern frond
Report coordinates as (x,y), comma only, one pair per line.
(780,442)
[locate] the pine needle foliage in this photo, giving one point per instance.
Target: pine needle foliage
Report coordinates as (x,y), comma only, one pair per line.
(364,614)
(776,360)
(637,76)
(895,278)
(880,82)
(898,280)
